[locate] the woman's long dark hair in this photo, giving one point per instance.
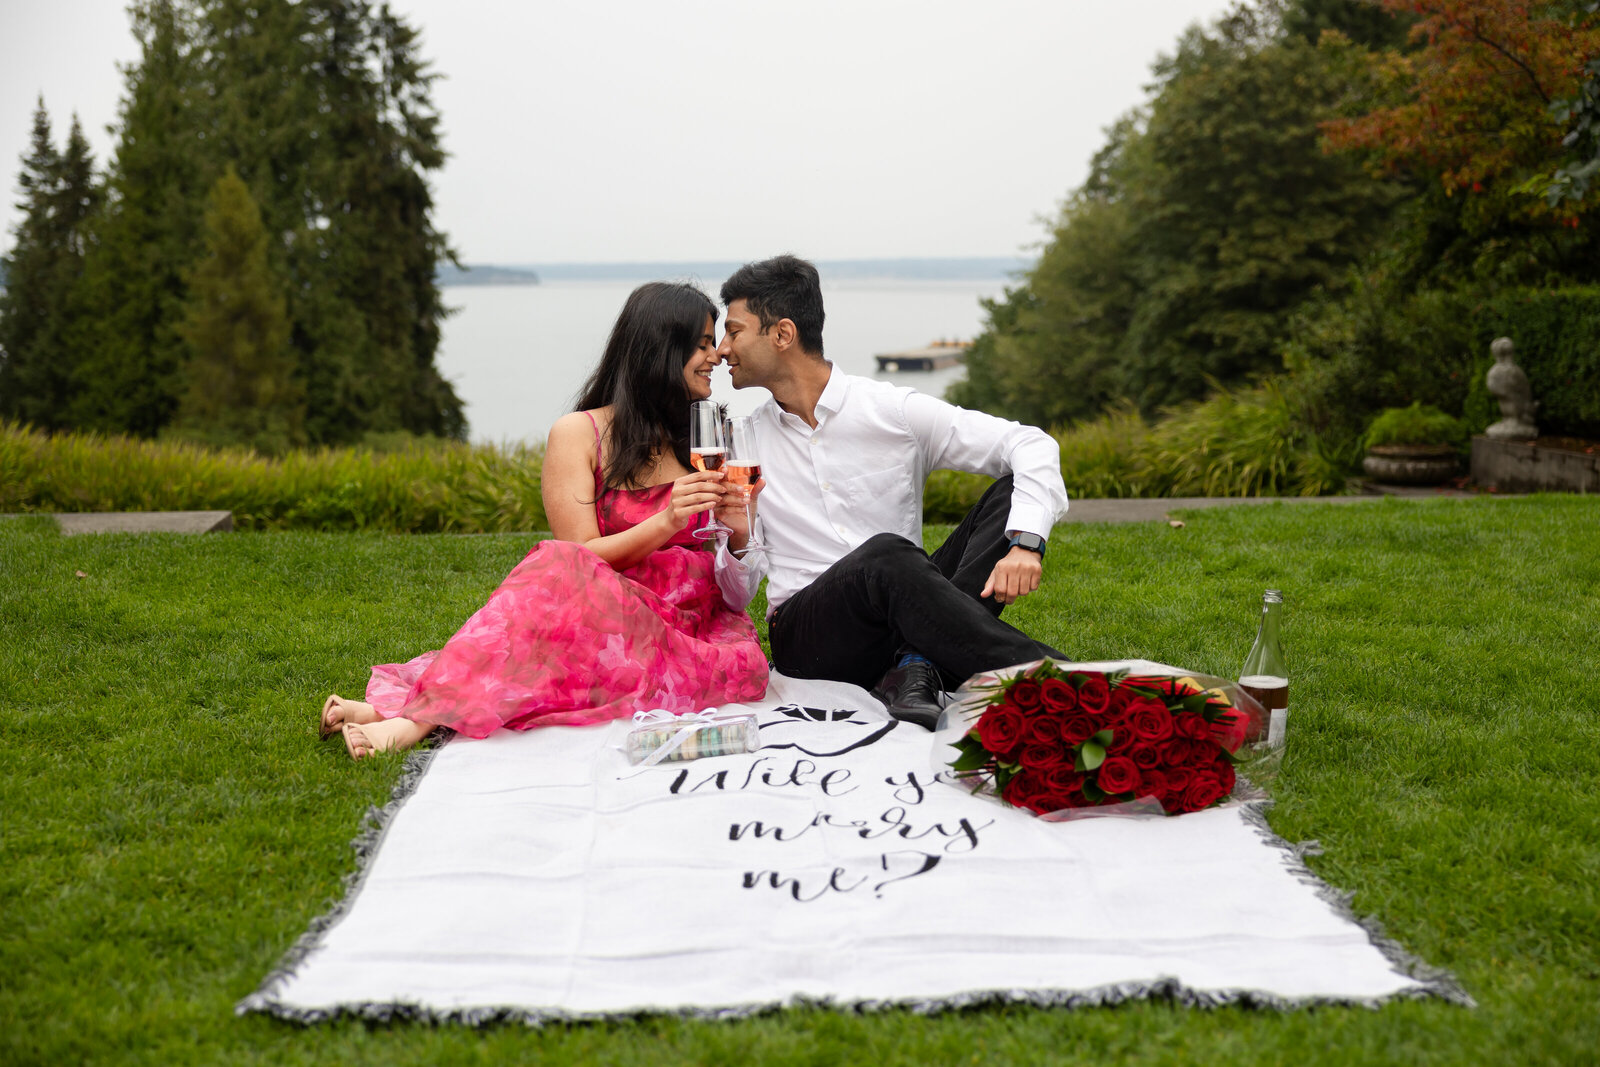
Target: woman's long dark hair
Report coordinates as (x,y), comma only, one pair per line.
(641,377)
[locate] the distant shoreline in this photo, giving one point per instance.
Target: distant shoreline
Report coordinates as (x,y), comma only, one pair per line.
(947,268)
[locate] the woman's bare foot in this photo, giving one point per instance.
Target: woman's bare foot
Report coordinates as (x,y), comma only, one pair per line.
(386,735)
(337,711)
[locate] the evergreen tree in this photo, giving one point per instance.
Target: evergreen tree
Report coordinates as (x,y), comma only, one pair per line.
(241,388)
(132,295)
(336,155)
(37,354)
(324,111)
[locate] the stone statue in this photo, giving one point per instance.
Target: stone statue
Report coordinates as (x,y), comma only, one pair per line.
(1509,385)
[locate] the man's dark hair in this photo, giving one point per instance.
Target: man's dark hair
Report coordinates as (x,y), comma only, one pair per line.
(783,287)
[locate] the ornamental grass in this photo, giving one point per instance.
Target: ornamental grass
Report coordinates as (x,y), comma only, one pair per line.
(420,487)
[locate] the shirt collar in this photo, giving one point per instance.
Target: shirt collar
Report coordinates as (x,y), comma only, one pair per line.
(832,398)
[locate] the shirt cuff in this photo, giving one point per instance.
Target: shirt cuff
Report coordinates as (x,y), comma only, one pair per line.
(737,579)
(1026,518)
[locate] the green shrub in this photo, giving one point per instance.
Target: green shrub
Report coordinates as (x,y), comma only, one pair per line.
(1254,442)
(421,487)
(1418,424)
(1351,356)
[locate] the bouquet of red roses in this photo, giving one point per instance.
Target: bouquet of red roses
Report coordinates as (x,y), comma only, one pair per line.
(1053,737)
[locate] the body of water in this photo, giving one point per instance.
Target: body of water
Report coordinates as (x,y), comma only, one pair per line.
(517,355)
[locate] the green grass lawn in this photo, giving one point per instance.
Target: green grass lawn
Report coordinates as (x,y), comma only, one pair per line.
(170,823)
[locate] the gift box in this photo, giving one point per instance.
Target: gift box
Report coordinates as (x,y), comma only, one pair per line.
(661,737)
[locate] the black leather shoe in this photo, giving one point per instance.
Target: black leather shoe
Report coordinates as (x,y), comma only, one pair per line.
(913,694)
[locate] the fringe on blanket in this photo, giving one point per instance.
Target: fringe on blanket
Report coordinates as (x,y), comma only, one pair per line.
(1434,981)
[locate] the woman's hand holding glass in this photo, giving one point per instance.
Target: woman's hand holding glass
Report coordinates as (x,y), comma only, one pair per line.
(694,493)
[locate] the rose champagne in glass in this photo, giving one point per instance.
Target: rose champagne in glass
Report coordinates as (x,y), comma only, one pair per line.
(708,449)
(743,468)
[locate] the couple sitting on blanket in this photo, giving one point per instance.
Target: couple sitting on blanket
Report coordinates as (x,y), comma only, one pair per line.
(626,609)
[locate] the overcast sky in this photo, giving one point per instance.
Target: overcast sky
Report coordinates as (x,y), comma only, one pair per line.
(706,130)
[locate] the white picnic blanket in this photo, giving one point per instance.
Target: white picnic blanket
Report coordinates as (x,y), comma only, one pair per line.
(539,876)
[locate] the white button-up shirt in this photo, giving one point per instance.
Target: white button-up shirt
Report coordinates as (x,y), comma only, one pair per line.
(860,472)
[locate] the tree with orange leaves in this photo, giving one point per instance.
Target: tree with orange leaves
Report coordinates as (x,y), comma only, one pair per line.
(1481,96)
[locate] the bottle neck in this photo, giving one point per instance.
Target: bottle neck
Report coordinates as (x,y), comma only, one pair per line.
(1271,620)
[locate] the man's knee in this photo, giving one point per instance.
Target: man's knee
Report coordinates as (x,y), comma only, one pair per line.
(885,555)
(884,545)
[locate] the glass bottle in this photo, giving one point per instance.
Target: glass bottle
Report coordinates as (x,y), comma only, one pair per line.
(1264,675)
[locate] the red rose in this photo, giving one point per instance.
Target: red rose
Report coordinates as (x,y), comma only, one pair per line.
(1148,720)
(1042,730)
(1226,777)
(1063,779)
(1000,729)
(1025,694)
(1152,783)
(1120,699)
(1175,752)
(1144,755)
(1118,775)
(1178,779)
(1023,790)
(1058,696)
(1192,726)
(1228,729)
(1203,791)
(1078,728)
(1041,757)
(1050,801)
(1094,694)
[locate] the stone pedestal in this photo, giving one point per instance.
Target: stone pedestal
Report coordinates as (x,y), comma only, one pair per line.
(1526,467)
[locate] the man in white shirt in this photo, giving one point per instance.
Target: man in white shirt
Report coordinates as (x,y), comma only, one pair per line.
(851,594)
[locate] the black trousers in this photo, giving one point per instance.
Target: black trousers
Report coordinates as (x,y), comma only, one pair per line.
(889,595)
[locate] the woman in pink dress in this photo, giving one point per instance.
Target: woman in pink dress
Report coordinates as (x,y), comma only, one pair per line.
(621,611)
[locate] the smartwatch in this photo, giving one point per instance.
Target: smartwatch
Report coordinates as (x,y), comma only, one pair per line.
(1030,541)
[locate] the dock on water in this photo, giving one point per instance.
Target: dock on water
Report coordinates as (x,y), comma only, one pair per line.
(936,356)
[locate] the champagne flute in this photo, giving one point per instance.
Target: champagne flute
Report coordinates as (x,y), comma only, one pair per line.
(708,448)
(743,468)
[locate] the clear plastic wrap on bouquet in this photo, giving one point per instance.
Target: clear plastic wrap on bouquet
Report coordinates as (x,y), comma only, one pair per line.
(1070,740)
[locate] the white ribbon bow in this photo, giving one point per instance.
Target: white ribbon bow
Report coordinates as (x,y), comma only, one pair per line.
(690,721)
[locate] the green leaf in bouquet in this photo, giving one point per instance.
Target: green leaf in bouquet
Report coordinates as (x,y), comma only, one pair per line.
(1196,703)
(1094,793)
(1090,755)
(973,755)
(970,760)
(1105,737)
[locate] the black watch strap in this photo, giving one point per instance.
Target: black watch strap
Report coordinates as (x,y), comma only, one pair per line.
(1030,541)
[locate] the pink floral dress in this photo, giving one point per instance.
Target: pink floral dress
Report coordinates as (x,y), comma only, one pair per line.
(567,640)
